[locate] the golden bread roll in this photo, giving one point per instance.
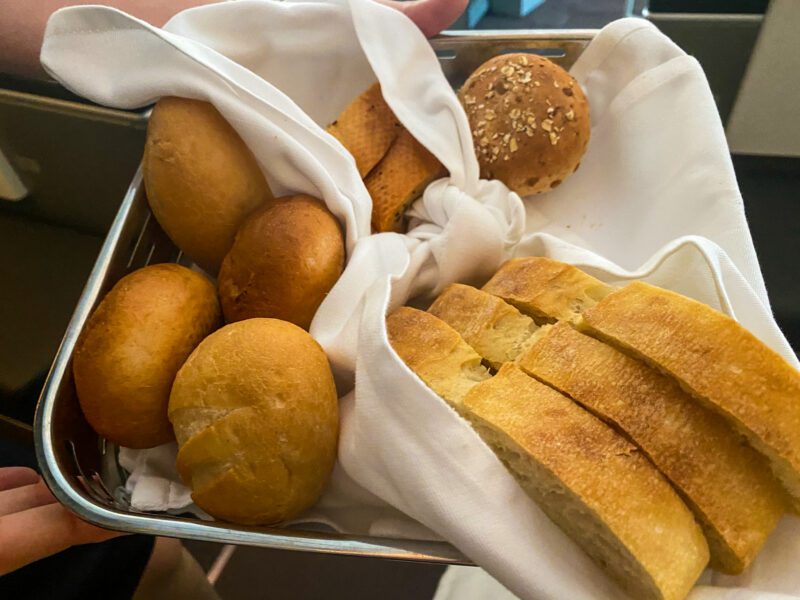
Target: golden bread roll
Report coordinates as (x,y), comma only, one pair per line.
(529,120)
(367,128)
(255,412)
(133,345)
(286,257)
(729,486)
(717,360)
(596,486)
(435,352)
(496,330)
(400,178)
(200,178)
(546,289)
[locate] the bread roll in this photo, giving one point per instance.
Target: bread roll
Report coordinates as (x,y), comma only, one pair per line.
(592,483)
(496,330)
(717,360)
(546,289)
(256,417)
(133,345)
(529,120)
(367,128)
(399,179)
(726,483)
(286,258)
(436,353)
(201,179)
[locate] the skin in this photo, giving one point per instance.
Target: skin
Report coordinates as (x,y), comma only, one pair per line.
(22,23)
(32,524)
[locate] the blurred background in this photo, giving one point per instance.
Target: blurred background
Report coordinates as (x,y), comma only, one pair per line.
(65,165)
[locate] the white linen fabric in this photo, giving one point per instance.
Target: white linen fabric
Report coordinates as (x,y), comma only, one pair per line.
(655,198)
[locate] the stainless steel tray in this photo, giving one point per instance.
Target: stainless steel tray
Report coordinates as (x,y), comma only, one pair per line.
(82,469)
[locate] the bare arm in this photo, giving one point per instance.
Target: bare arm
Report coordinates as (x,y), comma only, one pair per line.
(22,23)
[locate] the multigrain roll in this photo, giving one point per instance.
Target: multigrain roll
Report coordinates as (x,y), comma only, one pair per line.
(132,347)
(256,418)
(286,258)
(529,121)
(200,177)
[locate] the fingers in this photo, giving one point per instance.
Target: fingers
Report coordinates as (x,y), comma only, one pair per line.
(431,16)
(25,497)
(14,477)
(38,532)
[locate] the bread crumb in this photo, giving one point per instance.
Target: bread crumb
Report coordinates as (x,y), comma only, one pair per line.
(547,125)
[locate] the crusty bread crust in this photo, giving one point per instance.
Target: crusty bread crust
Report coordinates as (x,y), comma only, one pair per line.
(133,345)
(593,483)
(256,414)
(726,483)
(717,360)
(495,329)
(529,120)
(546,289)
(400,178)
(436,353)
(200,177)
(367,128)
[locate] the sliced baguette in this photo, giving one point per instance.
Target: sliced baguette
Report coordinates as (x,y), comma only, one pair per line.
(592,483)
(726,483)
(400,178)
(367,128)
(436,353)
(546,289)
(716,360)
(496,330)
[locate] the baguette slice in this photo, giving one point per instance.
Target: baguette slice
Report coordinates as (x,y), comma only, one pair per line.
(496,330)
(726,483)
(592,483)
(367,128)
(400,178)
(546,289)
(436,353)
(717,360)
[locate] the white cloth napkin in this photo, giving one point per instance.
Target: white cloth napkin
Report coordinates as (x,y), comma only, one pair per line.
(655,198)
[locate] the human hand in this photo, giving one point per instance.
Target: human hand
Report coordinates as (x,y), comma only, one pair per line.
(33,525)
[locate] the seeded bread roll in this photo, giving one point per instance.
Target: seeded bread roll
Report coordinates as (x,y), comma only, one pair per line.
(367,128)
(717,360)
(596,486)
(529,120)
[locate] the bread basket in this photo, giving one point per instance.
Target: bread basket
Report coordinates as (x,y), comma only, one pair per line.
(82,469)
